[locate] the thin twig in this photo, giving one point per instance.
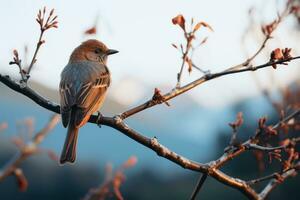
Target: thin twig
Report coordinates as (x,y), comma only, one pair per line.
(17,61)
(203,79)
(118,124)
(44,26)
(261,179)
(29,149)
(268,36)
(249,145)
(38,45)
(199,69)
(275,182)
(184,55)
(198,186)
(287,118)
(212,168)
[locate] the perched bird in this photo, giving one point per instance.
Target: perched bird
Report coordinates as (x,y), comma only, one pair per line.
(83,86)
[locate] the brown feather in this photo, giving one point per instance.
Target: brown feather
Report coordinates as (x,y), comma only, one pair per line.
(83,86)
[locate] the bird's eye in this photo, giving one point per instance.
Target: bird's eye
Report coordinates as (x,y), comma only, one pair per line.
(97,50)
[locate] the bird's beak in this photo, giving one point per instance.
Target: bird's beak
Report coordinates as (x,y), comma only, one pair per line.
(111,51)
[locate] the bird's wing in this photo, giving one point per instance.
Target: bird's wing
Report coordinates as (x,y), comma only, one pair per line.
(83,88)
(90,98)
(67,98)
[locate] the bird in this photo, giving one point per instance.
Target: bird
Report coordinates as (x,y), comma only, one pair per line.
(82,88)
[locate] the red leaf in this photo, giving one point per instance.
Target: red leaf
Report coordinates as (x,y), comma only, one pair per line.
(130,162)
(157,96)
(179,20)
(276,54)
(199,24)
(91,31)
(238,122)
(118,180)
(190,64)
(21,180)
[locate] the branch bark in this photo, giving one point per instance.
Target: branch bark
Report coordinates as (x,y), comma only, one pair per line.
(117,122)
(178,91)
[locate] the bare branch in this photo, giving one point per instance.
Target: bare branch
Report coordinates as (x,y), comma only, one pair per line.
(118,123)
(275,182)
(28,149)
(278,57)
(178,91)
(112,182)
(198,186)
(50,23)
(44,26)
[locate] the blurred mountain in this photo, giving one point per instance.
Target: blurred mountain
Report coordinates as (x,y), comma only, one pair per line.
(196,132)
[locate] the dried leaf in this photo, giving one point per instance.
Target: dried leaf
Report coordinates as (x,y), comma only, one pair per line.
(294,9)
(44,10)
(157,96)
(279,178)
(296,156)
(238,122)
(130,162)
(118,180)
(268,29)
(91,31)
(199,24)
(190,64)
(286,53)
(15,52)
(276,54)
(285,142)
(203,41)
(269,130)
(21,180)
(175,46)
(261,122)
(51,12)
(179,20)
(276,155)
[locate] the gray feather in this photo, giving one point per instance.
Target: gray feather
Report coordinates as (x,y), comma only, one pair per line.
(83,84)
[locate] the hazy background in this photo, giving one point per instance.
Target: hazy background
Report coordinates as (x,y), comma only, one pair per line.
(196,123)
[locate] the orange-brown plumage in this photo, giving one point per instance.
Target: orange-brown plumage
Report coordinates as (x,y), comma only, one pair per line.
(86,49)
(83,86)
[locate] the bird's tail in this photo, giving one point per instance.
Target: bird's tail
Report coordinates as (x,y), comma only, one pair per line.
(69,151)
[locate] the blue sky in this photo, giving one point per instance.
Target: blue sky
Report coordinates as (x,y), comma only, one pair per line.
(142,31)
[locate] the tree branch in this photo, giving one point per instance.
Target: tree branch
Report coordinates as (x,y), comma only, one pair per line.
(200,183)
(177,91)
(118,124)
(29,149)
(275,182)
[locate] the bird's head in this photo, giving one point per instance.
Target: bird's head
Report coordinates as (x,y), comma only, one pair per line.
(91,50)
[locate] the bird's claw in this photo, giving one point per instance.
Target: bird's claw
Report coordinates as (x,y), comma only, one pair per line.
(99,116)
